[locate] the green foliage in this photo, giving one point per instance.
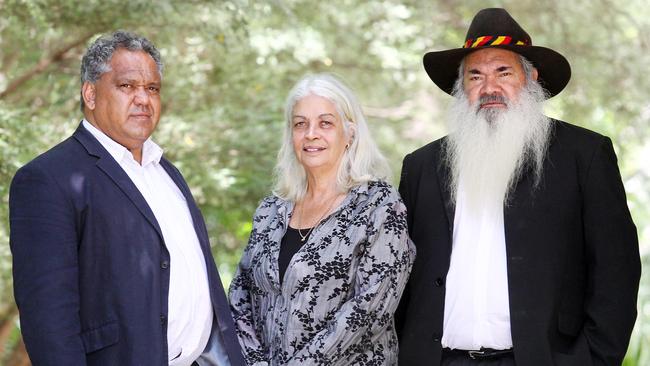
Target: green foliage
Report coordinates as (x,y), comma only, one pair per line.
(229,65)
(638,352)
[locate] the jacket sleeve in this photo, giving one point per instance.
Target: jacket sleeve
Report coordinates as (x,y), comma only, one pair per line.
(612,252)
(44,246)
(381,276)
(241,289)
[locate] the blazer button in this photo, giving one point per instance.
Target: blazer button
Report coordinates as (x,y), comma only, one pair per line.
(436,337)
(164,264)
(163,319)
(438,282)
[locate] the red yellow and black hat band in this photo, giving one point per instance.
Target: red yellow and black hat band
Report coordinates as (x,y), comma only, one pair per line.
(484,41)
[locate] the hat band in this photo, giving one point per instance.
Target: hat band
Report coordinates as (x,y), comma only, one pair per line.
(494,41)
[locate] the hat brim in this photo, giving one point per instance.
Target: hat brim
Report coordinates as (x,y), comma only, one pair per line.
(553,69)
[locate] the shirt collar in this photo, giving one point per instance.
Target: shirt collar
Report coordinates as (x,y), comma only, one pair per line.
(151,152)
(285,207)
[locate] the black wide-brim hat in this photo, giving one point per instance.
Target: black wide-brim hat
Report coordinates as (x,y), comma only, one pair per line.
(495,28)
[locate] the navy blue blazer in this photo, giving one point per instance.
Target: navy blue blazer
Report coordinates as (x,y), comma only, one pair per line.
(90,267)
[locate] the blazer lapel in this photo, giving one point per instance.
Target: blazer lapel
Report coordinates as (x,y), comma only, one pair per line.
(113,170)
(444,175)
(197,218)
(525,188)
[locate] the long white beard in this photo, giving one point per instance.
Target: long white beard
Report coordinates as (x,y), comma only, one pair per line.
(488,149)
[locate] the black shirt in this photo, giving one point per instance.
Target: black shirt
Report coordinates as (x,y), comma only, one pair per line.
(289,246)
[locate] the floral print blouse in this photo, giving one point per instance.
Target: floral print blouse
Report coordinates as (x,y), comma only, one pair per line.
(336,303)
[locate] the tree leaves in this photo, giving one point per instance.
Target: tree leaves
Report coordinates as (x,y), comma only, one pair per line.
(230,64)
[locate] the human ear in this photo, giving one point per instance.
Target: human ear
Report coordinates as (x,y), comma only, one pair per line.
(534,74)
(88,92)
(352,131)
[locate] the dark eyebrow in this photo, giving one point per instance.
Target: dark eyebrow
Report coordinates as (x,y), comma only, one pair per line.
(474,71)
(504,68)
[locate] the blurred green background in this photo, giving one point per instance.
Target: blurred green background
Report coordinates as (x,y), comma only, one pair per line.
(229,65)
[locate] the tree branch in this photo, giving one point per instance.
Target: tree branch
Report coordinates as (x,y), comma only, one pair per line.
(43,64)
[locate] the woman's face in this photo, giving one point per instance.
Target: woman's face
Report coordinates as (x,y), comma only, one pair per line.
(319,139)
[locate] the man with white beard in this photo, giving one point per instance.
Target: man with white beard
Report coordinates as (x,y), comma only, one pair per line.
(527,254)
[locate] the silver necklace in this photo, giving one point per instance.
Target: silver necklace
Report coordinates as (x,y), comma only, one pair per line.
(302,208)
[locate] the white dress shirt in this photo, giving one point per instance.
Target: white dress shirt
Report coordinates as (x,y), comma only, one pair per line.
(190,309)
(477,312)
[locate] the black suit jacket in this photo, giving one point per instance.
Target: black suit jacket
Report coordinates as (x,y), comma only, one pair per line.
(572,256)
(91,270)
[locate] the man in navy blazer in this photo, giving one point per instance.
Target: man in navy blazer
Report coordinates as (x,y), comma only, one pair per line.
(527,253)
(111,258)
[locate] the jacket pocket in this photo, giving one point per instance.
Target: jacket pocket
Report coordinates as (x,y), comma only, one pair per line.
(570,324)
(578,353)
(100,337)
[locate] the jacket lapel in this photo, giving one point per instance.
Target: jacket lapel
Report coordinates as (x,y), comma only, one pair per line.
(197,218)
(525,189)
(112,169)
(444,175)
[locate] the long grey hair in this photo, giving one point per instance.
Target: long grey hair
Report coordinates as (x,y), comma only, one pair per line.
(362,161)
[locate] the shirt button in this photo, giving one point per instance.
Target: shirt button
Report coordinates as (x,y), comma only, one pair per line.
(438,282)
(164,264)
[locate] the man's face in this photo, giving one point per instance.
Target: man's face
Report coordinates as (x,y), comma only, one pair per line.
(492,77)
(125,102)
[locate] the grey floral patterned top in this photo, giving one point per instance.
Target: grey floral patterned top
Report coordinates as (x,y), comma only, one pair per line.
(336,303)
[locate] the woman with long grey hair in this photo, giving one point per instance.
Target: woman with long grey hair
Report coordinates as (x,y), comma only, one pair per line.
(329,254)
